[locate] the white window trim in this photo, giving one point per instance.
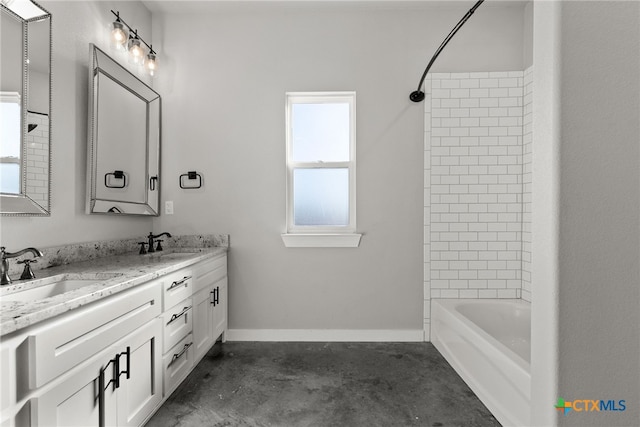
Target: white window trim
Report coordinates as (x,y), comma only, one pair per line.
(321,240)
(321,236)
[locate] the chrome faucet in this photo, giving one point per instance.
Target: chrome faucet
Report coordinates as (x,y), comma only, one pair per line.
(4,267)
(151,237)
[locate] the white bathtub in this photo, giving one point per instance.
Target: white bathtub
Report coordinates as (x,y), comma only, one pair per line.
(488,343)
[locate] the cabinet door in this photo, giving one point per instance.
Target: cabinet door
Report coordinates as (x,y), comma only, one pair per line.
(220,310)
(141,393)
(74,400)
(203,337)
(62,343)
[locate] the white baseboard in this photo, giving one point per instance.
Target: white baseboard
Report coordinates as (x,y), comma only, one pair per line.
(326,335)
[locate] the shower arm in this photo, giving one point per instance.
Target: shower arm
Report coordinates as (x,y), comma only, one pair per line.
(418,95)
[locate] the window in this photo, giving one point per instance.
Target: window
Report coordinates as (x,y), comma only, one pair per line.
(321,169)
(10,149)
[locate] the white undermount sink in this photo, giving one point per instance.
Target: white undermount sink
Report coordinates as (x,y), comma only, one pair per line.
(52,286)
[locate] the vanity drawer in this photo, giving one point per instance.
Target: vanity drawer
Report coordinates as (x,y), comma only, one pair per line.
(71,339)
(177,364)
(176,287)
(178,322)
(209,272)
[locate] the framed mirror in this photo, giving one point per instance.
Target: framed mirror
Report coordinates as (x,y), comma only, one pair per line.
(25,115)
(124,141)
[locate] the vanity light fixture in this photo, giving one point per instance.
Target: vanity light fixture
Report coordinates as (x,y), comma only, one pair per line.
(125,37)
(119,34)
(136,51)
(150,64)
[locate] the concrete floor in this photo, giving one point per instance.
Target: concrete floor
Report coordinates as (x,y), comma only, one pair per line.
(323,384)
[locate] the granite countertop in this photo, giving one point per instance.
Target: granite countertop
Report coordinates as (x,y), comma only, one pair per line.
(109,275)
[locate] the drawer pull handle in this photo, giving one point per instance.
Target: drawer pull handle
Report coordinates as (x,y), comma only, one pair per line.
(176,316)
(102,387)
(178,282)
(215,296)
(177,356)
(128,371)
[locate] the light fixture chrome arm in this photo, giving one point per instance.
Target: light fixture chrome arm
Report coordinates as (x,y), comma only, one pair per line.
(418,95)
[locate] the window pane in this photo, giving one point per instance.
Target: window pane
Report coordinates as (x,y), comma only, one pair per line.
(321,197)
(10,129)
(10,147)
(320,132)
(10,178)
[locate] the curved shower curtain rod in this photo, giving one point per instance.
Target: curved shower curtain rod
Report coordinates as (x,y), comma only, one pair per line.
(418,95)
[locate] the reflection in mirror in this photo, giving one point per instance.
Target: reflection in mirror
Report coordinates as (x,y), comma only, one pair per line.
(25,106)
(10,166)
(124,141)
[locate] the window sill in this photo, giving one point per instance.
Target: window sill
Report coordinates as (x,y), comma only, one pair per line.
(351,240)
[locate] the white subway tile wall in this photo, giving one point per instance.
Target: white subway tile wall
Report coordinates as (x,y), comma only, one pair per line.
(427,210)
(477,194)
(527,148)
(37,142)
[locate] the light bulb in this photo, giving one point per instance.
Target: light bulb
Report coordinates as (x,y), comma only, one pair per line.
(136,51)
(118,35)
(151,64)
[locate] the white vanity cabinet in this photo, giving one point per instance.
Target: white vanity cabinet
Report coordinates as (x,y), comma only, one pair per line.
(131,376)
(177,321)
(220,309)
(54,367)
(209,305)
(203,337)
(193,325)
(114,361)
(62,343)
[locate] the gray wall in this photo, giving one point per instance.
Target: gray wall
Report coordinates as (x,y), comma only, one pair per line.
(527,42)
(599,293)
(75,25)
(223,79)
(586,216)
